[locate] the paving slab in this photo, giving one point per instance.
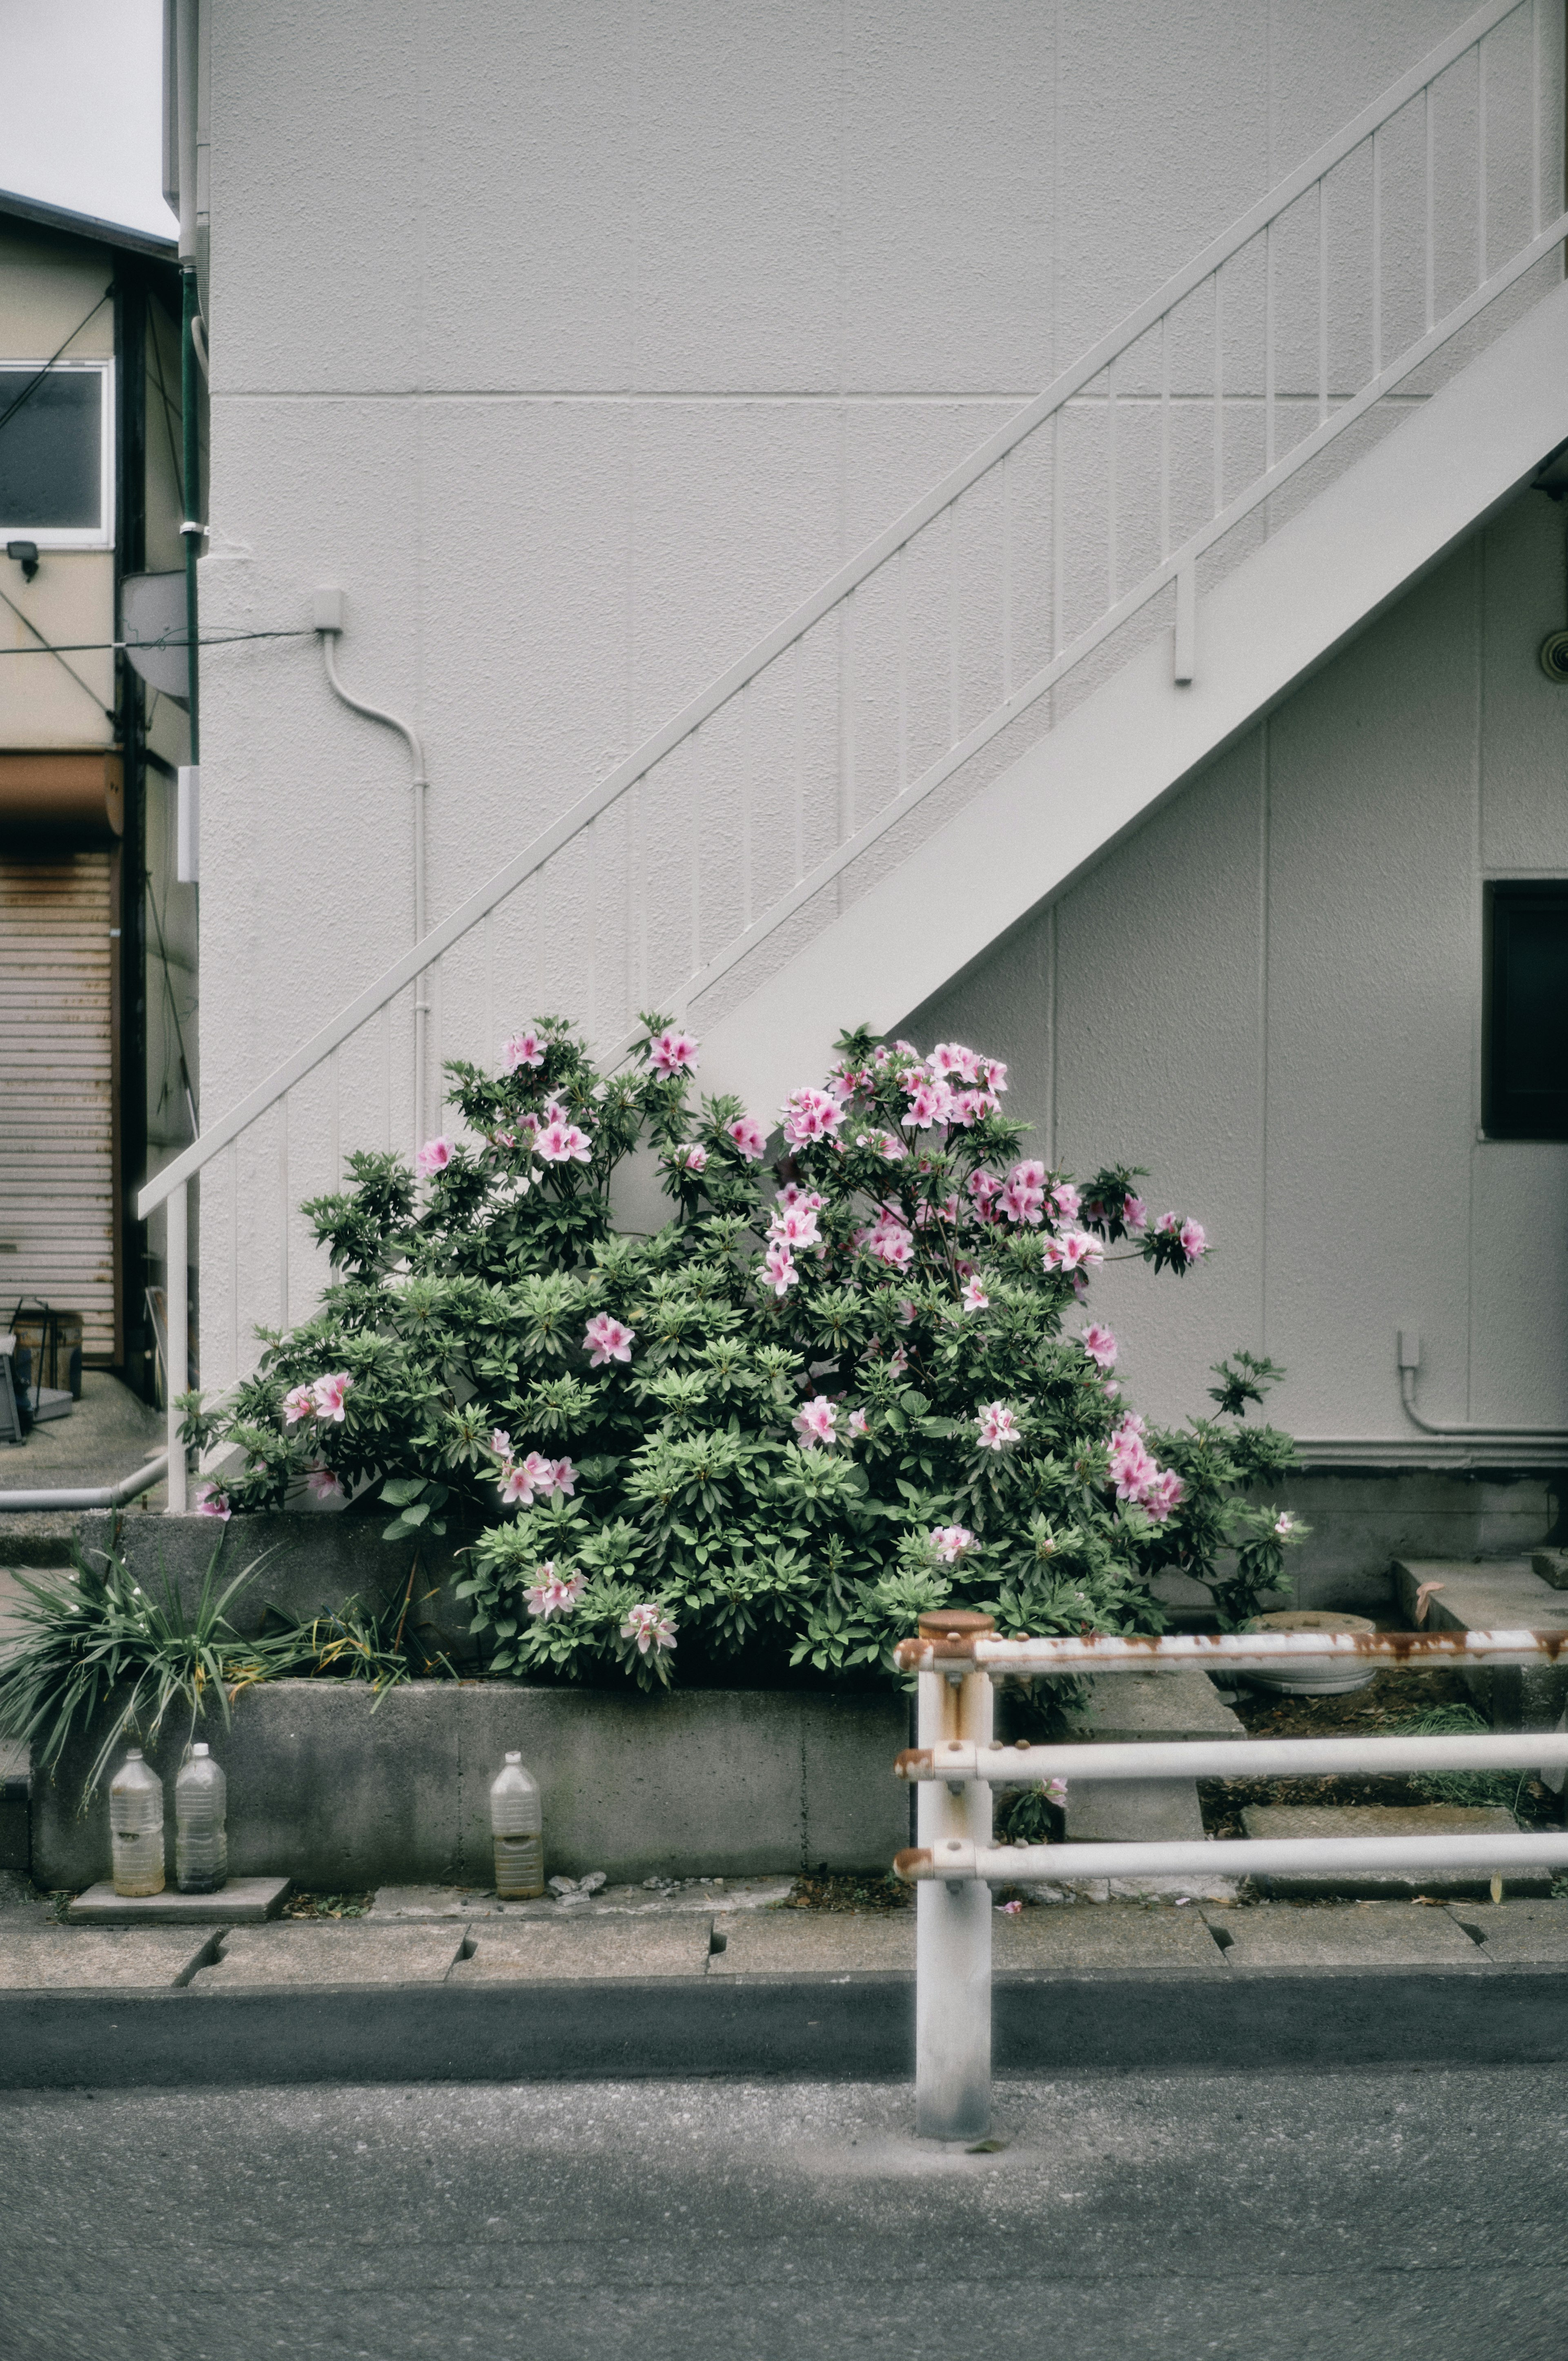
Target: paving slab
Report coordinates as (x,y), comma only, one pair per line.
(242,1902)
(1134,1811)
(699,1896)
(1286,1938)
(816,1943)
(1281,1820)
(260,1958)
(54,1958)
(1517,1934)
(1121,1939)
(1179,1702)
(573,1950)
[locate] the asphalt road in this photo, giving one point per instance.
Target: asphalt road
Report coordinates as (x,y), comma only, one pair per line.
(1366,2216)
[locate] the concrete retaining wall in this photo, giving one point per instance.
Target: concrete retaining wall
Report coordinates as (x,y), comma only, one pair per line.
(340,1793)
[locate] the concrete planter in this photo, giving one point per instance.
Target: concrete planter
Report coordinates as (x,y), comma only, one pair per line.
(340,1793)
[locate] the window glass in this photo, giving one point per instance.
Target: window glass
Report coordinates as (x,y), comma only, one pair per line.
(1527,1094)
(51,449)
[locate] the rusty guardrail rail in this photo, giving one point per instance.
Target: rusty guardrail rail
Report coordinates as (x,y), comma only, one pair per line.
(956,1765)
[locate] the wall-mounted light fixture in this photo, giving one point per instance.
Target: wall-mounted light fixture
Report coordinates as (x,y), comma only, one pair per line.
(24,554)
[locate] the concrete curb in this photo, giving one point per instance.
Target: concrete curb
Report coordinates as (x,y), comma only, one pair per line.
(856,2028)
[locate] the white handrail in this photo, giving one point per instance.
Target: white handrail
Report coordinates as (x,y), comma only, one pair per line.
(839,588)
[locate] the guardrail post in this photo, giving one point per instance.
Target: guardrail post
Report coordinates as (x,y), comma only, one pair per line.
(177,1375)
(953,1945)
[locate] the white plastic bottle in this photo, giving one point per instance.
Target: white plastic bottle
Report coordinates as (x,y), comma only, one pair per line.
(518,1826)
(135,1827)
(201,1838)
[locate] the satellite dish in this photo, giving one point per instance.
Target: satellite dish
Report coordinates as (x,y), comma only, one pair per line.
(152,625)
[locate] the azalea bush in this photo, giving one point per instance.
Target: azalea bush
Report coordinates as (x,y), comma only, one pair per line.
(852,1378)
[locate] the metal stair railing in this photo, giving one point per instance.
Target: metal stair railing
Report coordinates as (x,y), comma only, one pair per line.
(956,1766)
(1097,500)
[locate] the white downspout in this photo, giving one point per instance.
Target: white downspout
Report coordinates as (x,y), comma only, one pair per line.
(329,622)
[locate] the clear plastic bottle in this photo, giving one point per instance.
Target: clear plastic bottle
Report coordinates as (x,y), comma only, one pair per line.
(201,1840)
(518,1826)
(135,1827)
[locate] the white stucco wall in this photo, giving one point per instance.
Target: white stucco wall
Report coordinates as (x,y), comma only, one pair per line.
(577,345)
(1272,997)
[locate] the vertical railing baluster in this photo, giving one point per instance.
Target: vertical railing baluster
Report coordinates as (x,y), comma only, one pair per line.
(952,1924)
(590,981)
(492,1044)
(1377,253)
(283,1211)
(1111,482)
(177,1295)
(232,1156)
(1058,530)
(1323,300)
(1218,391)
(847,723)
(799,759)
(1006,578)
(1163,437)
(693,801)
(334,1133)
(1431,249)
(904,668)
(748,791)
(953,732)
(1481,163)
(387,1124)
(1269,382)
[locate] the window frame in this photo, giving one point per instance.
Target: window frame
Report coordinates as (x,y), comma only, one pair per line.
(1502,894)
(98,536)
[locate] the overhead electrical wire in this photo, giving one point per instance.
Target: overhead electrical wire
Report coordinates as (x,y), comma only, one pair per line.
(34,382)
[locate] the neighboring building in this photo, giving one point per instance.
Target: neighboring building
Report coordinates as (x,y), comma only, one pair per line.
(578,348)
(97,940)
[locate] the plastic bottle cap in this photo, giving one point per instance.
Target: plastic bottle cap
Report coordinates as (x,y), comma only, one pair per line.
(514,1758)
(198,1749)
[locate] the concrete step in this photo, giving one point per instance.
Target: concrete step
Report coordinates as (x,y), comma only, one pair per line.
(1177,1703)
(1494,1594)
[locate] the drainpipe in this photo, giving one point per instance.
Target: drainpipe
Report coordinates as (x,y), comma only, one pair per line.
(1410,1361)
(330,610)
(190,527)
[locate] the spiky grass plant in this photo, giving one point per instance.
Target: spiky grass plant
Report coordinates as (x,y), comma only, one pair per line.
(93,1643)
(1471,1787)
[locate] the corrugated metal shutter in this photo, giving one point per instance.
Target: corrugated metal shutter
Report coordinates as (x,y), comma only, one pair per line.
(57,1161)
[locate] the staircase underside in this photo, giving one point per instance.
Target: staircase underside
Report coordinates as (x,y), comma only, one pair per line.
(1277,616)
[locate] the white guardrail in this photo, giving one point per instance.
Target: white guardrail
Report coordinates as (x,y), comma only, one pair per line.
(956,1765)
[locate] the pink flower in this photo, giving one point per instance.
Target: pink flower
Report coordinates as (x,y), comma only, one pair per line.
(857,1423)
(501,1443)
(1284,1527)
(1098,1343)
(1065,1200)
(672,1053)
(975,1298)
(1135,1212)
(953,1062)
(796,1224)
(434,1155)
(605,1339)
(1010,1909)
(563,1142)
(1074,1250)
(649,1626)
(524,1049)
(747,1135)
(815,1421)
(885,1144)
(211,1502)
(692,1158)
(563,1478)
(1193,1242)
(323,1484)
(327,1394)
(984,1188)
(1166,1492)
(779,1262)
(552,1594)
(301,1403)
(793,1193)
(811,1115)
(929,1103)
(516,1491)
(993,1074)
(1056,1792)
(1029,1174)
(998,1427)
(949,1542)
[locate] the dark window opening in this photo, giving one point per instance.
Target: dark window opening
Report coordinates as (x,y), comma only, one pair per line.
(51,463)
(1526,1021)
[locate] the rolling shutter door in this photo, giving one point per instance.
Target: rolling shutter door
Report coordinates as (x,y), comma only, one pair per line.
(56,1142)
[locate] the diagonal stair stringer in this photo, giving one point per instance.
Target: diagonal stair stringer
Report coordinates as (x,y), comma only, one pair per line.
(1277,617)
